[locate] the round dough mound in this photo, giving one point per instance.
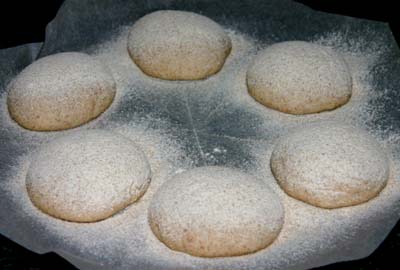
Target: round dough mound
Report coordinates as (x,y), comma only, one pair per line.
(330,165)
(87,176)
(215,212)
(60,91)
(178,45)
(297,77)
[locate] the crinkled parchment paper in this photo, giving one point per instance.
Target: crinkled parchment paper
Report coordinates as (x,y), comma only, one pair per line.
(211,122)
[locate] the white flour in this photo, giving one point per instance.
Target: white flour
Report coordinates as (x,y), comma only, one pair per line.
(310,236)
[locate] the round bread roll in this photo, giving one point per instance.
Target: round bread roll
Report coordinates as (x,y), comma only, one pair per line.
(215,212)
(60,91)
(330,165)
(178,45)
(87,176)
(298,77)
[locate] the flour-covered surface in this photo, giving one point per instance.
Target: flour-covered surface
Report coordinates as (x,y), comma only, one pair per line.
(211,122)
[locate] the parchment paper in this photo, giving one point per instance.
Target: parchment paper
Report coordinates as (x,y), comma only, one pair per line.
(79,25)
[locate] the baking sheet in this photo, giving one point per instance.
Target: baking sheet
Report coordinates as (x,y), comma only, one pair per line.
(80,25)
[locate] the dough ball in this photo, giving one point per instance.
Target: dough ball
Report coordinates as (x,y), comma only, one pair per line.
(298,77)
(87,176)
(330,165)
(215,212)
(178,45)
(60,91)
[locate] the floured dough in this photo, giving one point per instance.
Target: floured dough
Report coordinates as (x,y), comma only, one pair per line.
(87,176)
(215,212)
(60,91)
(178,45)
(298,77)
(330,165)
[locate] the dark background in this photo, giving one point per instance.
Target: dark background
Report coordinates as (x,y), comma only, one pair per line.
(24,22)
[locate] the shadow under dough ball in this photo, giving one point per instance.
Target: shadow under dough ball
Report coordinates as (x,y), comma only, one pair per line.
(299,77)
(216,212)
(60,91)
(178,45)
